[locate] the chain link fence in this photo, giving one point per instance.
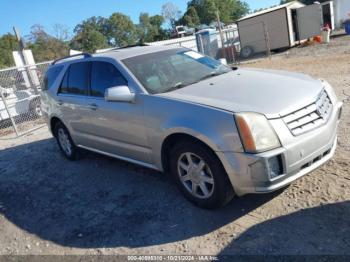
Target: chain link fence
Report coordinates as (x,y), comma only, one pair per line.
(188,42)
(20,110)
(228,49)
(251,42)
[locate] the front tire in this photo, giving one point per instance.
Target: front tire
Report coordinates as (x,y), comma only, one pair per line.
(65,142)
(200,175)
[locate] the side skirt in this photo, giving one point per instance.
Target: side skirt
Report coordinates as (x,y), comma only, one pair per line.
(140,163)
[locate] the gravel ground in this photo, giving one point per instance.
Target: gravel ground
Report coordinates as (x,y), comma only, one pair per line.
(100,205)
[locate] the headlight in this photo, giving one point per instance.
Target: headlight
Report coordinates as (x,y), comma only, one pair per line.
(256,133)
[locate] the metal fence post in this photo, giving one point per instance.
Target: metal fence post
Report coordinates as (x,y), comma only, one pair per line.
(223,50)
(8,112)
(267,40)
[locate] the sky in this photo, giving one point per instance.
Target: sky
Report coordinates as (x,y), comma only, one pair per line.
(25,13)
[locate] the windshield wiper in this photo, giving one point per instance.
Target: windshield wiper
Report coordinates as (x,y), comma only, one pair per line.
(212,74)
(181,85)
(175,87)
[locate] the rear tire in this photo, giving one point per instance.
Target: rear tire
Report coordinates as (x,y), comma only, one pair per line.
(65,142)
(200,176)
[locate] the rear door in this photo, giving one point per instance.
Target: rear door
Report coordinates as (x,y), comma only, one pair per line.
(74,103)
(310,21)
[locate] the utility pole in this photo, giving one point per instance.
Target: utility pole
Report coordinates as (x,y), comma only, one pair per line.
(221,35)
(27,70)
(267,40)
(19,39)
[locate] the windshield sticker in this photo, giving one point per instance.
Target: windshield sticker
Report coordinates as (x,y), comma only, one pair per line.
(194,55)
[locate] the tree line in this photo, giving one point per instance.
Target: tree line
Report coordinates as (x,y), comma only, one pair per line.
(118,30)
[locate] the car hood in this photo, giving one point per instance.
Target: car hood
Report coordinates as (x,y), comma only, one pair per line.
(269,92)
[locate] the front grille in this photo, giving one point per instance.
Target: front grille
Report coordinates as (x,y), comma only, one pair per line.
(311,116)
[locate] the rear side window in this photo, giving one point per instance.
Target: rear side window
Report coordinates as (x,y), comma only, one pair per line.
(76,80)
(51,76)
(64,85)
(104,75)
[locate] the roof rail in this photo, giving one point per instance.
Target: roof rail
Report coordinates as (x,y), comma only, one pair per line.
(119,48)
(129,46)
(85,55)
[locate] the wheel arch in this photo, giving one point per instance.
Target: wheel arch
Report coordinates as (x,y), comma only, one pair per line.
(173,138)
(53,122)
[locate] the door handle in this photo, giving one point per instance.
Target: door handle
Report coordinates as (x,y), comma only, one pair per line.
(93,107)
(60,102)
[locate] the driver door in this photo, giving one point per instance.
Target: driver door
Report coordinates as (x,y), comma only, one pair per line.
(116,127)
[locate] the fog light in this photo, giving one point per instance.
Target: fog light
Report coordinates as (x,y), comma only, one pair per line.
(275,166)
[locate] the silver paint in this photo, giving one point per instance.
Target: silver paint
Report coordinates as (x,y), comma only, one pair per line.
(135,131)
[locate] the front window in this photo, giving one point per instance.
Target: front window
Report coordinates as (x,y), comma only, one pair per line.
(169,70)
(104,75)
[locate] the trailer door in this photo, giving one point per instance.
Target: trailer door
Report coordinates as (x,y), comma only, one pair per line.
(328,14)
(310,21)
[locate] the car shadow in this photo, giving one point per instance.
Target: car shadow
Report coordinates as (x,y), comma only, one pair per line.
(100,201)
(322,230)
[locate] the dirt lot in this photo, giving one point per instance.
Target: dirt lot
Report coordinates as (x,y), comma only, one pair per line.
(104,206)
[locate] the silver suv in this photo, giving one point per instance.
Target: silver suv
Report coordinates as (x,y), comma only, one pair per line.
(218,131)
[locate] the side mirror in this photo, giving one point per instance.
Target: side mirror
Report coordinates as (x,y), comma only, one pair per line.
(119,94)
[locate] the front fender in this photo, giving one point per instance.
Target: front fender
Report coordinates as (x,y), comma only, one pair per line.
(214,127)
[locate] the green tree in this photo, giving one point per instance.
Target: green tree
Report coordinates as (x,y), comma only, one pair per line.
(209,11)
(8,43)
(94,23)
(150,28)
(121,30)
(44,46)
(157,21)
(91,34)
(145,28)
(159,33)
(191,17)
(239,9)
(229,10)
(89,40)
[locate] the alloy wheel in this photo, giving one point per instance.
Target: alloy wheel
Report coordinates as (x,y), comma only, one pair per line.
(64,141)
(195,175)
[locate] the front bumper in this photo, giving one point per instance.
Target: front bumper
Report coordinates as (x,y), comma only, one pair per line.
(300,155)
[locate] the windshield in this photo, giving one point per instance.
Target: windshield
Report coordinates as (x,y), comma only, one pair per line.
(168,70)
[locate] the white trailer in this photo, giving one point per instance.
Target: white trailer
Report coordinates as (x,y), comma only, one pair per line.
(279,27)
